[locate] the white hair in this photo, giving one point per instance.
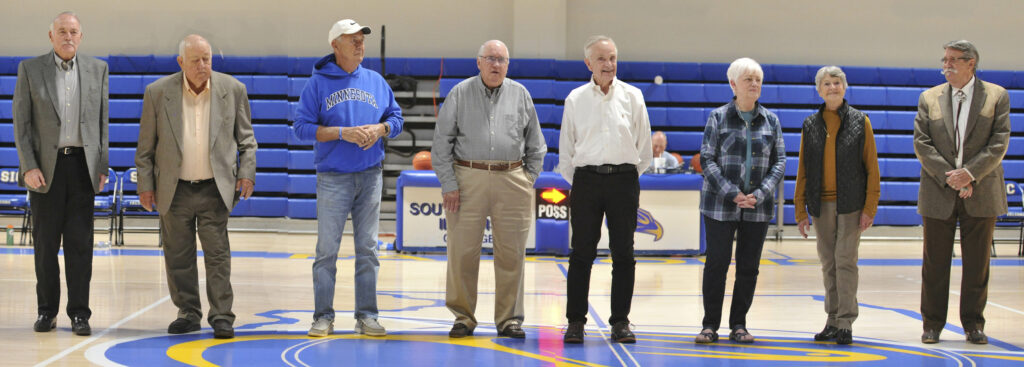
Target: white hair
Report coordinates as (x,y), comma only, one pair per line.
(484,47)
(69,13)
(832,71)
(593,41)
(742,66)
(190,40)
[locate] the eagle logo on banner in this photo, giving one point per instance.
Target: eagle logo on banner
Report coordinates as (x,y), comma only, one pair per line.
(645,223)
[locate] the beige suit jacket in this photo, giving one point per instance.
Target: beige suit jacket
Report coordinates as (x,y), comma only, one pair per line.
(37,124)
(232,144)
(986,138)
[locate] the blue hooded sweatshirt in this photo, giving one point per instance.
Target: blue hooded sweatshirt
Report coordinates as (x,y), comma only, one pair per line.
(333,97)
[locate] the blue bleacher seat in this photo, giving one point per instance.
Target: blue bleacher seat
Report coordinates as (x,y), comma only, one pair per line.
(895,76)
(125,108)
(271,133)
(5,109)
(126,85)
(539,88)
(861,75)
(927,77)
(460,67)
(265,85)
(417,66)
(714,72)
(302,208)
(544,113)
(124,133)
(1003,78)
(798,94)
(686,116)
(446,86)
(550,137)
(301,159)
(302,184)
(682,72)
(653,92)
(894,144)
(531,68)
(562,88)
(793,119)
(144,64)
(899,167)
(572,70)
(7,133)
(7,84)
(302,65)
(1013,170)
(718,94)
(1016,98)
(792,141)
(897,120)
(271,182)
(8,157)
(122,157)
(686,92)
(271,158)
(550,161)
(793,74)
(684,141)
(295,85)
(270,109)
(902,96)
(866,96)
(658,116)
(9,64)
(639,70)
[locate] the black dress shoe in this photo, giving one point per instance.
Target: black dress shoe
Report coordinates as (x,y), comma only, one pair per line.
(512,330)
(181,326)
(80,326)
(844,336)
(930,337)
(460,331)
(44,323)
(222,329)
(622,334)
(977,337)
(574,333)
(828,333)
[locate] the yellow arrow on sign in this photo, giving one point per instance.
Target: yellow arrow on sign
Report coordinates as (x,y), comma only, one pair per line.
(553,196)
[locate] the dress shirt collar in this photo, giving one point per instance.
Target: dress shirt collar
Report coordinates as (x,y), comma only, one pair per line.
(968,89)
(597,87)
(188,87)
(488,91)
(57,60)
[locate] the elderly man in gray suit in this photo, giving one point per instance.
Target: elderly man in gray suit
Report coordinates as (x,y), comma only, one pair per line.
(197,151)
(60,129)
(961,134)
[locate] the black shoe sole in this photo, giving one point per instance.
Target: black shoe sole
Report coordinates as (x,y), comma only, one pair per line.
(460,335)
(189,329)
(573,340)
(85,332)
(625,340)
(223,334)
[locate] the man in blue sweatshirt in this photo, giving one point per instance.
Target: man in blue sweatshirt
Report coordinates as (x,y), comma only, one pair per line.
(347,109)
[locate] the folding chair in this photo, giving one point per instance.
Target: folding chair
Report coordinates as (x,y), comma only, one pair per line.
(107,204)
(129,203)
(17,202)
(1015,215)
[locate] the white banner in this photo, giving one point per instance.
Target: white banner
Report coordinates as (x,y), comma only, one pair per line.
(667,220)
(424,224)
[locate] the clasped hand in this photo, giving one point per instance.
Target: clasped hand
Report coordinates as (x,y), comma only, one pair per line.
(364,136)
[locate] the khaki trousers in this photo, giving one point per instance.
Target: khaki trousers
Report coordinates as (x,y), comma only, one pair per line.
(506,197)
(838,241)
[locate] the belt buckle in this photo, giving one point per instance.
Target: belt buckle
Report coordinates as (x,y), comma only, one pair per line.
(65,150)
(604,169)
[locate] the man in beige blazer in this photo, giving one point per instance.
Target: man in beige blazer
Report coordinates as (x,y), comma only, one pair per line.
(961,134)
(197,150)
(60,129)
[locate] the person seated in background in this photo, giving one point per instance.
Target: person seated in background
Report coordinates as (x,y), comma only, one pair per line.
(663,160)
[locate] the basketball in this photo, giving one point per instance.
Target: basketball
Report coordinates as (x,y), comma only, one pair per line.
(421,161)
(695,163)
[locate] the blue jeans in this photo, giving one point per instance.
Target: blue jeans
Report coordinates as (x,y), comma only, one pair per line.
(339,194)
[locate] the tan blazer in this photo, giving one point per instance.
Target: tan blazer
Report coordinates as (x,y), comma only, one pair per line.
(985,143)
(232,144)
(37,124)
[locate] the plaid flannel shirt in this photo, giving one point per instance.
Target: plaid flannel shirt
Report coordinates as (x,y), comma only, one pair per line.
(723,155)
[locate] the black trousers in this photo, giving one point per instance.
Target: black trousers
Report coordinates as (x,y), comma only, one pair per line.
(593,197)
(64,213)
(718,237)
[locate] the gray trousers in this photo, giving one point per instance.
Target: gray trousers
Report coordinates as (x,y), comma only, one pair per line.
(838,242)
(506,197)
(198,208)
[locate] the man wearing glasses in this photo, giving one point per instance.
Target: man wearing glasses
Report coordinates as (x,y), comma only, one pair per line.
(488,150)
(961,133)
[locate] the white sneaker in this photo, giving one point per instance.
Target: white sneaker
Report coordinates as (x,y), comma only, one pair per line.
(369,326)
(321,327)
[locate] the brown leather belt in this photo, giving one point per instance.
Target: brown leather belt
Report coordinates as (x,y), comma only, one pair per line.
(489,167)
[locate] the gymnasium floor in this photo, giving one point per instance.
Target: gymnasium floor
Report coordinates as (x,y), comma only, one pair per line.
(273,303)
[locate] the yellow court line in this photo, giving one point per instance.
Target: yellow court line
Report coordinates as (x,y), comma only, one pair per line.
(888,349)
(300,256)
(1008,358)
(191,353)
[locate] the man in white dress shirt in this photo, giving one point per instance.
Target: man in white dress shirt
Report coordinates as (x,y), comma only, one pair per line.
(604,146)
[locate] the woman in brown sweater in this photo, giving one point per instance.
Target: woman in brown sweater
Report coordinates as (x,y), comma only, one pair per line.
(837,141)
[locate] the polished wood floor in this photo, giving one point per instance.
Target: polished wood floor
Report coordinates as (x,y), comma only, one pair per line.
(271,275)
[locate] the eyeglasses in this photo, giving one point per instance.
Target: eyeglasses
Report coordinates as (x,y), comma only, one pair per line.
(495,59)
(950,60)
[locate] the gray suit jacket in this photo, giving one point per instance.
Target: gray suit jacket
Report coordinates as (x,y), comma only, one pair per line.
(37,124)
(232,144)
(985,142)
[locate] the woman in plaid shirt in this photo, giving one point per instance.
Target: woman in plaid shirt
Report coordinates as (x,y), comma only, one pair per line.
(744,158)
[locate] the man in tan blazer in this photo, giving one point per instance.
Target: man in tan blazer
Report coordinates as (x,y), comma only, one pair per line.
(961,134)
(197,150)
(60,129)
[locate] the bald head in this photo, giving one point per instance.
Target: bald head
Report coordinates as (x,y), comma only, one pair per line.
(196,60)
(492,60)
(658,143)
